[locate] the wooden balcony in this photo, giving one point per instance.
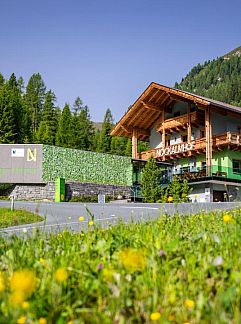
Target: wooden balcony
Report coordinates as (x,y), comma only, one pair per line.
(176,124)
(177,151)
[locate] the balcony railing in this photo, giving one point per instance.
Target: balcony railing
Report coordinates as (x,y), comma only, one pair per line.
(217,172)
(233,140)
(180,122)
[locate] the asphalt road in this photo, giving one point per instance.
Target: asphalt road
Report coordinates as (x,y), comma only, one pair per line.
(60,216)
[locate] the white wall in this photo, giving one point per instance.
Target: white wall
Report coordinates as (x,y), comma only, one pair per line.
(155,139)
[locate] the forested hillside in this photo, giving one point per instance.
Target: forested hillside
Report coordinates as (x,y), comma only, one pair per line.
(30,115)
(219,79)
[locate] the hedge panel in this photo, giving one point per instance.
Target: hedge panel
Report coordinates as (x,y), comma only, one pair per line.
(85,166)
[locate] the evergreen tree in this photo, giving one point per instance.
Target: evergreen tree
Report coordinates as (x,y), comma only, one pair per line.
(8,132)
(86,130)
(78,105)
(128,150)
(1,80)
(150,181)
(118,145)
(48,125)
(105,137)
(64,133)
(34,100)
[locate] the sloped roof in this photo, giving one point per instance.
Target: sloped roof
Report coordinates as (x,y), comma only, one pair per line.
(146,111)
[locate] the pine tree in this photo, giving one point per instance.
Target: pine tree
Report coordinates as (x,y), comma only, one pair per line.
(48,125)
(118,145)
(105,137)
(128,150)
(64,132)
(34,100)
(86,130)
(150,181)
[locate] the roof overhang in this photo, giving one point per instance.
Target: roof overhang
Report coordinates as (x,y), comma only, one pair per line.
(157,99)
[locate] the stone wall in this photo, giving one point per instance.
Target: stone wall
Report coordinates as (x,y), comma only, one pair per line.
(47,191)
(73,189)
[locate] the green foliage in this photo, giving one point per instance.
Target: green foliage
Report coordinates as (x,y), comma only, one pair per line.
(90,199)
(105,138)
(187,268)
(150,186)
(86,166)
(64,132)
(219,79)
(176,191)
(48,125)
(34,100)
(17,217)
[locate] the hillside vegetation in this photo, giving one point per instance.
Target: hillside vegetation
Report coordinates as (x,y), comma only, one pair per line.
(219,79)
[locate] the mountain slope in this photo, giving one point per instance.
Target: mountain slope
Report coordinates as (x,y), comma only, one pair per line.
(219,79)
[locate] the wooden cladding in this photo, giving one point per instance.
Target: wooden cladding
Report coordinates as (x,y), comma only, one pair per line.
(199,146)
(176,124)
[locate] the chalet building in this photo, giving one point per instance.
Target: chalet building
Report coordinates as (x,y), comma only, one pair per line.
(194,138)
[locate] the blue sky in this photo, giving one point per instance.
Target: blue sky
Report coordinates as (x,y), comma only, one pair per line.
(107,52)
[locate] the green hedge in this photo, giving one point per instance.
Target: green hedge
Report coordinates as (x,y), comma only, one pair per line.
(84,166)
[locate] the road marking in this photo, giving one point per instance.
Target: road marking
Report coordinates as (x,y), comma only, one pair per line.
(54,225)
(140,207)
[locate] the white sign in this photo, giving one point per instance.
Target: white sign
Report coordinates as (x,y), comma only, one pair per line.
(17,152)
(180,148)
(101,199)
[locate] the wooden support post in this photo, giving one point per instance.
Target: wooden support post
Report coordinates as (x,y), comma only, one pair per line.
(163,129)
(208,131)
(134,143)
(189,127)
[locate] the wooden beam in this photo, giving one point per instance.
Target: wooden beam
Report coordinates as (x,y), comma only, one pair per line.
(208,131)
(139,131)
(151,106)
(189,127)
(134,144)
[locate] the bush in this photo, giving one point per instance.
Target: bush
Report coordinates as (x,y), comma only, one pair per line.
(90,198)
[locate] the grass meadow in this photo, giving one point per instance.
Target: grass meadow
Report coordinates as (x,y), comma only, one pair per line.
(181,269)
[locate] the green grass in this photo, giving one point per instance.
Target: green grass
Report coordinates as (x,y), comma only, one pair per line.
(17,217)
(185,269)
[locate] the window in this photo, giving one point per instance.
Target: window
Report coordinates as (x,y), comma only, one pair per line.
(236,166)
(202,133)
(168,142)
(184,138)
(203,165)
(177,113)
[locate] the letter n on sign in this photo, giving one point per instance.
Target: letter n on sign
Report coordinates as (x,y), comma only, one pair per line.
(31,155)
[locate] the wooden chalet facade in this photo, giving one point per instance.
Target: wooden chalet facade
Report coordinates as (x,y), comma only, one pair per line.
(201,137)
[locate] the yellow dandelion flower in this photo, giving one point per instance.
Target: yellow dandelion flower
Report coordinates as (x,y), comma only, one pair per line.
(227,218)
(91,223)
(172,298)
(17,298)
(42,320)
(61,275)
(23,280)
(70,322)
(81,218)
(132,259)
(189,303)
(25,305)
(170,199)
(21,320)
(171,318)
(107,274)
(2,284)
(155,316)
